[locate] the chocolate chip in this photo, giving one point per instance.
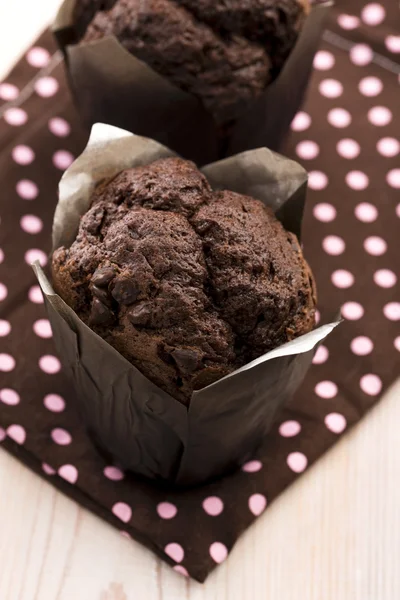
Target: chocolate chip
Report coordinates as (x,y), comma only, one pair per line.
(100,314)
(103,276)
(139,314)
(125,291)
(186,359)
(101,294)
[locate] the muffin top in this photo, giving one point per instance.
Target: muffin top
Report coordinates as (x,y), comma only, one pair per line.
(185,282)
(225,52)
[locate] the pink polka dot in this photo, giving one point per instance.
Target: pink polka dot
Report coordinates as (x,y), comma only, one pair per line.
(361,345)
(49,364)
(323,60)
(181,570)
(16,433)
(373,14)
(307,150)
(69,473)
(213,506)
(385,278)
(31,224)
(393,178)
(392,43)
(59,127)
(388,146)
(23,155)
(46,87)
(289,428)
(61,436)
(317,180)
(391,310)
(54,402)
(2,434)
(218,552)
(366,212)
(348,22)
(333,245)
(317,317)
(3,292)
(352,311)
(297,461)
(397,343)
(26,189)
(370,86)
(252,466)
(62,159)
(175,551)
(371,384)
(301,121)
(7,363)
(379,116)
(357,180)
(126,535)
(113,473)
(361,55)
(48,469)
(342,279)
(5,328)
(1,256)
(321,355)
(15,116)
(339,117)
(8,91)
(375,245)
(166,510)
(9,397)
(35,295)
(123,511)
(326,389)
(42,328)
(32,255)
(38,57)
(324,212)
(335,422)
(331,88)
(398,210)
(348,148)
(257,504)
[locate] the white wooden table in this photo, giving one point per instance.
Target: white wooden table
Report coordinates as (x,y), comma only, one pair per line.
(335,535)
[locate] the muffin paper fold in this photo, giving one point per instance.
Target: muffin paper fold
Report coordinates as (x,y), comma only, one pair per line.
(141,426)
(110,85)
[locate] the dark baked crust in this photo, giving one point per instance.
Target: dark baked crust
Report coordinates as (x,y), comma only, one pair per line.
(224,52)
(188,284)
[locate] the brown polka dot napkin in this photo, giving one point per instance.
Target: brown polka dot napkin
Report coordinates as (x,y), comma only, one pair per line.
(347,136)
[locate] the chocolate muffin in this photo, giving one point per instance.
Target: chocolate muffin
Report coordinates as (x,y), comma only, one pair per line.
(187,283)
(225,52)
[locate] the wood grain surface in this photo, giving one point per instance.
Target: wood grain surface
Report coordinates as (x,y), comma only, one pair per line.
(334,535)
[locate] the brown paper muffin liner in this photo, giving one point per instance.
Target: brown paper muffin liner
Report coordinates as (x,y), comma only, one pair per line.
(112,86)
(195,529)
(143,428)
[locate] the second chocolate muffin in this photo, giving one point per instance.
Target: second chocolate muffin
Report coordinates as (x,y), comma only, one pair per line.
(225,52)
(187,283)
